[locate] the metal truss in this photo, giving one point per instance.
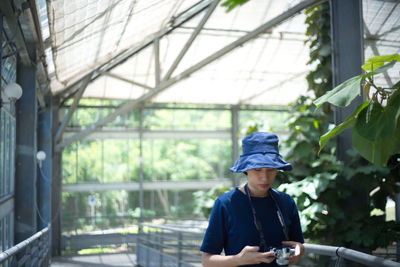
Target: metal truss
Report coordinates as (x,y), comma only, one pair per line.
(168,81)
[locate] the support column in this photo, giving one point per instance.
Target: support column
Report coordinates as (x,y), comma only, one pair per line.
(26,141)
(141,172)
(234,140)
(45,167)
(347,58)
(56,186)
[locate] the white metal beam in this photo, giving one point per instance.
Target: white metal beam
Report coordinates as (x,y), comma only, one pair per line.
(125,55)
(151,134)
(157,67)
(147,186)
(116,76)
(71,110)
(191,39)
(293,77)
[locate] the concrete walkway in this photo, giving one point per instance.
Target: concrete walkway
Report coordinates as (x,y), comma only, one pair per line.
(98,260)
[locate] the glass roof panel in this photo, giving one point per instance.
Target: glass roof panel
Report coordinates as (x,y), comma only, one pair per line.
(255,73)
(270,69)
(86,34)
(382,35)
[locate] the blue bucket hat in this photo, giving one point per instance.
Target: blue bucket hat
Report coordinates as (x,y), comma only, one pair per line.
(260,150)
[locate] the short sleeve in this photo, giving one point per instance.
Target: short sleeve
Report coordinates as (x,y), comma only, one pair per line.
(215,235)
(295,233)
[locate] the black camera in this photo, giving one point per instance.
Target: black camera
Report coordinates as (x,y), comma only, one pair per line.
(282,254)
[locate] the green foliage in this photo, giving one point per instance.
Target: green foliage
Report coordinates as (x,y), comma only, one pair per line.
(375,123)
(378,61)
(231,4)
(204,200)
(323,186)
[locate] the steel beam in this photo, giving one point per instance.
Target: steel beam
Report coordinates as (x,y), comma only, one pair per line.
(165,84)
(295,76)
(56,187)
(191,39)
(26,167)
(347,58)
(125,55)
(12,21)
(110,133)
(141,168)
(45,174)
(157,71)
(71,110)
(235,139)
(147,186)
(116,76)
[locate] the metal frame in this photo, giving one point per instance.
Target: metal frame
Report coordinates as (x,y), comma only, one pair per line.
(36,250)
(72,109)
(125,55)
(25,36)
(164,84)
(347,57)
(147,186)
(349,254)
(178,240)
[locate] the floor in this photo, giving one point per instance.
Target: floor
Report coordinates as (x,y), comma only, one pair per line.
(98,260)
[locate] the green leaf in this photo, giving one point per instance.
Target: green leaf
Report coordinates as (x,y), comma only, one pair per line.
(377,121)
(379,70)
(368,122)
(378,61)
(396,86)
(341,127)
(343,94)
(379,150)
(394,101)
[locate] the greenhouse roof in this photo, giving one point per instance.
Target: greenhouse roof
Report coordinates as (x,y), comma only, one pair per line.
(125,49)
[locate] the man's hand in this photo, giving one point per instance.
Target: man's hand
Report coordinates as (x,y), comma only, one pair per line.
(250,255)
(299,251)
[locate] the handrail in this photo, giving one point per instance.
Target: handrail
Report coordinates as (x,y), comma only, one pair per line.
(350,254)
(5,255)
(152,246)
(174,229)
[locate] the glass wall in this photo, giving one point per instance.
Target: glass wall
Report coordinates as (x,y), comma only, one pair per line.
(179,144)
(7,146)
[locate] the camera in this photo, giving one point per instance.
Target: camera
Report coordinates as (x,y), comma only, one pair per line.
(282,254)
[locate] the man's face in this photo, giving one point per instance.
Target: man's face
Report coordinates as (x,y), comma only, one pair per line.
(261,180)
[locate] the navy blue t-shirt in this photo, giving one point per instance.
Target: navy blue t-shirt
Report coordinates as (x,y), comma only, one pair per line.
(231,225)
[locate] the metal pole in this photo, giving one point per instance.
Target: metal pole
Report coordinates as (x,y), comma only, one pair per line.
(26,164)
(180,249)
(141,178)
(347,58)
(234,139)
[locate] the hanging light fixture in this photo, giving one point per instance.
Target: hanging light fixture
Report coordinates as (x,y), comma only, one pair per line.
(10,93)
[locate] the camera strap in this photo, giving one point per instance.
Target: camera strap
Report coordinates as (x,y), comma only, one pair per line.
(257,222)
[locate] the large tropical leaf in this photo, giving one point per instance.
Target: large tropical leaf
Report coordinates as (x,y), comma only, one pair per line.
(379,150)
(349,122)
(343,94)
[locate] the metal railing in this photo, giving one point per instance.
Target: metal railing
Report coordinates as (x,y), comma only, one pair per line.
(168,246)
(347,257)
(160,245)
(30,252)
